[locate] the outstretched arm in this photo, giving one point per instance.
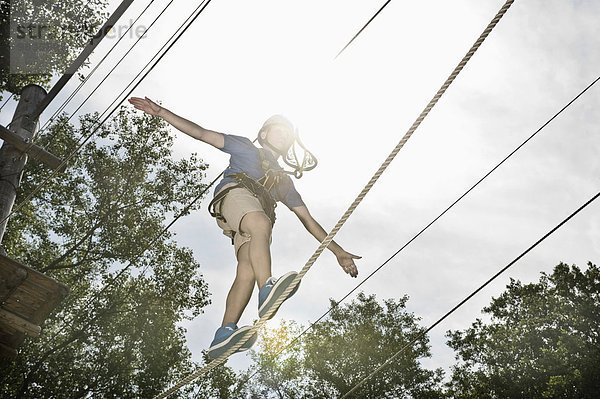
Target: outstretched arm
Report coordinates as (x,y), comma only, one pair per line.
(345,259)
(188,127)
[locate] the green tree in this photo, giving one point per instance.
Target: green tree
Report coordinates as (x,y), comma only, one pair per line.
(108,338)
(338,353)
(67,26)
(220,382)
(275,374)
(543,341)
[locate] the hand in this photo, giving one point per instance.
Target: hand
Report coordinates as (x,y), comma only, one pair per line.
(146,105)
(346,261)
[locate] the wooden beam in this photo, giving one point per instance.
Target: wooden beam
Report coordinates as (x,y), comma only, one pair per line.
(8,352)
(10,280)
(35,151)
(19,323)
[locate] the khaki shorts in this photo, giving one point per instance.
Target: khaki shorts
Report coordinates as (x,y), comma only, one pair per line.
(236,204)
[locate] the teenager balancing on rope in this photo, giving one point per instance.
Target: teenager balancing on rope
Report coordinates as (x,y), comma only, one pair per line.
(244,207)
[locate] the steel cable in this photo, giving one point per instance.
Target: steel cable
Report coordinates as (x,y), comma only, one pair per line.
(221,359)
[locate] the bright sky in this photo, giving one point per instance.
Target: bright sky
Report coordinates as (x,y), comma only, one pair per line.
(241,62)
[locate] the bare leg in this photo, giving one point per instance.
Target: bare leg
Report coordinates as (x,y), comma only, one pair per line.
(258,225)
(241,290)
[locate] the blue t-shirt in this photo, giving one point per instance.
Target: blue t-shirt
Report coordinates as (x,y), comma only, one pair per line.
(245,157)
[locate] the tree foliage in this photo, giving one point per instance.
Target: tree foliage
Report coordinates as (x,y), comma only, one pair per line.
(68,24)
(278,370)
(116,334)
(338,353)
(543,341)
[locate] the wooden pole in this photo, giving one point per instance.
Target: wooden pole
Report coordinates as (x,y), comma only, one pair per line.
(12,160)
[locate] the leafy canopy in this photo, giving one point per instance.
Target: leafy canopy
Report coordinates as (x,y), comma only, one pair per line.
(338,353)
(66,25)
(108,338)
(542,341)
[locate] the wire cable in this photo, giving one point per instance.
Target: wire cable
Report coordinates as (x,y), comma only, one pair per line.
(471,295)
(142,251)
(7,101)
(81,84)
(297,338)
(191,19)
(81,11)
(81,58)
(188,21)
(62,347)
(83,8)
(72,95)
(221,359)
(363,28)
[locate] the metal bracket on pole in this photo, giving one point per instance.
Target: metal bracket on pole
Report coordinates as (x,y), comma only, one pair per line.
(35,151)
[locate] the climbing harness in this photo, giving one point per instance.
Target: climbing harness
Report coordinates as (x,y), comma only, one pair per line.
(254,186)
(259,188)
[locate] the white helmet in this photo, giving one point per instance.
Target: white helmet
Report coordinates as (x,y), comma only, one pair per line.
(309,161)
(276,120)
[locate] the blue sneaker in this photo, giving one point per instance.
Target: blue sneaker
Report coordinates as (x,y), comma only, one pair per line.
(272,290)
(227,336)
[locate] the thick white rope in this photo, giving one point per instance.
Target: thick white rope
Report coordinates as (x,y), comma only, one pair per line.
(221,359)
